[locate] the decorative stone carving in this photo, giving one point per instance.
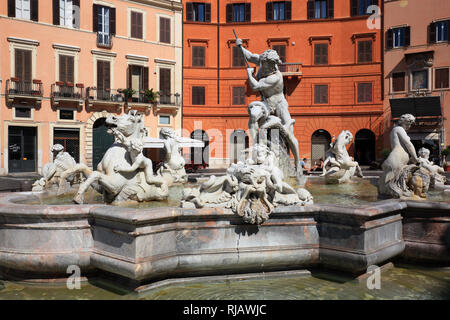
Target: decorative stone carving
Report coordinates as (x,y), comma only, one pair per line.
(52,171)
(124,174)
(173,169)
(252,188)
(437,177)
(401,179)
(339,167)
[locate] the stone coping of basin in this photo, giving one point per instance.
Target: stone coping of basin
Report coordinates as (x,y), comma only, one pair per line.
(10,205)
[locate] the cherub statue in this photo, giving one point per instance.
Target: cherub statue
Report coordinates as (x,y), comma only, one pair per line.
(437,177)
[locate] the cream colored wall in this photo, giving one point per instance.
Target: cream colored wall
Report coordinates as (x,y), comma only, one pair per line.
(47,35)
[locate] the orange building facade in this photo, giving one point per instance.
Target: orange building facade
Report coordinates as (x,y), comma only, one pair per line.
(65,65)
(331,53)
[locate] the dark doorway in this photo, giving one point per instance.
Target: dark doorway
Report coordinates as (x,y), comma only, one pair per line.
(364,147)
(22,149)
(102,140)
(200,155)
(320,143)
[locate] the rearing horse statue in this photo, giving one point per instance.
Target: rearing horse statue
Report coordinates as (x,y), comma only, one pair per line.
(119,186)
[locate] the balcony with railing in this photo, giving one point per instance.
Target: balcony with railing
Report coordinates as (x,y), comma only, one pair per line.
(104,40)
(104,98)
(140,100)
(67,93)
(24,92)
(291,69)
(170,102)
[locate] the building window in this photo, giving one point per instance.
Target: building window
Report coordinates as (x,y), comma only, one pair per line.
(238,12)
(365,51)
(321,53)
(441,80)
(23,9)
(23,65)
(164,120)
(198,95)
(198,11)
(320,9)
(66,13)
(420,79)
(24,113)
(238,95)
(280,10)
(398,82)
(137,30)
(66,114)
(398,37)
(238,58)
(359,7)
(138,81)
(104,24)
(441,31)
(364,92)
(281,50)
(66,68)
(321,94)
(164,30)
(70,139)
(165,86)
(198,56)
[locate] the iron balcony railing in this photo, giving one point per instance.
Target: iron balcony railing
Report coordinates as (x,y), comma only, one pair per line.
(67,90)
(169,99)
(291,68)
(16,87)
(104,40)
(140,97)
(104,95)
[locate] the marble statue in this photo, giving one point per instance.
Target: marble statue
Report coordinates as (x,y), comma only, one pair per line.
(52,171)
(251,188)
(338,166)
(124,172)
(272,112)
(173,169)
(403,175)
(437,177)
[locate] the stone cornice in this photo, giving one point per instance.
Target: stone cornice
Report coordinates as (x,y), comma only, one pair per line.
(66,47)
(104,53)
(172,5)
(23,41)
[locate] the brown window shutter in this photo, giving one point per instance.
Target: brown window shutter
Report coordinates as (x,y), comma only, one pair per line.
(23,65)
(248,12)
(442,78)
(100,79)
(145,78)
(129,73)
(310,9)
(288,6)
(18,64)
(112,21)
(432,33)
(11,8)
(95,18)
(62,68)
(269,11)
(164,81)
(229,14)
(398,81)
(330,8)
(325,54)
(34,10)
(389,39)
(207,12)
(167,30)
(164,30)
(407,36)
(353,8)
(189,11)
(70,69)
(107,74)
(56,12)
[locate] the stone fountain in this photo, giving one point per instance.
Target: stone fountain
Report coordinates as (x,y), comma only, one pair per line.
(248,221)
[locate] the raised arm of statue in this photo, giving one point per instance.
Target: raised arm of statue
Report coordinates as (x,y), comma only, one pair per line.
(251,57)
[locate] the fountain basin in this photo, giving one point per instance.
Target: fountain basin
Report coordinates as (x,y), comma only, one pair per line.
(146,245)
